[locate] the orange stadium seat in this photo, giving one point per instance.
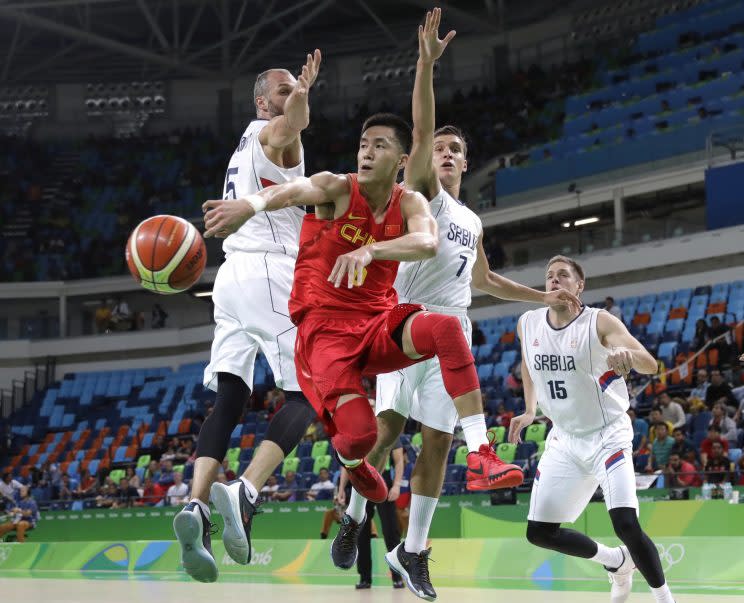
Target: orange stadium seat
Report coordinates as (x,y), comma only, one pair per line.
(642,318)
(677,313)
(507,337)
(247,440)
(717,308)
(184,426)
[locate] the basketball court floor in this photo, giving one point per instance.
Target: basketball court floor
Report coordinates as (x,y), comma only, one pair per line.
(46,590)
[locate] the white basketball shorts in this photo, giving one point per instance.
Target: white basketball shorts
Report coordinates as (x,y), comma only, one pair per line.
(572,466)
(250,296)
(418,391)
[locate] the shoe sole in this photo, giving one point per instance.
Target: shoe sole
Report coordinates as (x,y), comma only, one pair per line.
(391,559)
(196,560)
(509,479)
(233,533)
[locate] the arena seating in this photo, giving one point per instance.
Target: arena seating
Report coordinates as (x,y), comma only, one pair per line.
(687,81)
(107,420)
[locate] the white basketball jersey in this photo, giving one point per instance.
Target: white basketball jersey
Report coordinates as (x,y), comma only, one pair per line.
(444,280)
(250,171)
(574,386)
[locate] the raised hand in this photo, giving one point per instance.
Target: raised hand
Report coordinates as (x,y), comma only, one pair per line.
(430,46)
(309,73)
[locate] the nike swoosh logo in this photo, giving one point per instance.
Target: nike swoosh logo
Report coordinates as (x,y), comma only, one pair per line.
(477,471)
(353,217)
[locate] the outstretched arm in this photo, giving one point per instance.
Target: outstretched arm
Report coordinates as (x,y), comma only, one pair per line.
(224,216)
(420,174)
(284,129)
(419,243)
(499,286)
(627,352)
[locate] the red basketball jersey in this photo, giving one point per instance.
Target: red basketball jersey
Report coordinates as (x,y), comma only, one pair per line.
(322,241)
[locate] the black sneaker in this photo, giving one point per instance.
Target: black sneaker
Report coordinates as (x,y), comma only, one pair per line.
(414,567)
(344,546)
(231,501)
(193,532)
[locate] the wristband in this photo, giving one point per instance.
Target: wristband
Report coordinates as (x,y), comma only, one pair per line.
(257,202)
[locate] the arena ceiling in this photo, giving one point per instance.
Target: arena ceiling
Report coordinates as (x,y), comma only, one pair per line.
(107,40)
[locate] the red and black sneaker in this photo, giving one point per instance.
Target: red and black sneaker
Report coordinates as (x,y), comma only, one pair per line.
(486,471)
(368,482)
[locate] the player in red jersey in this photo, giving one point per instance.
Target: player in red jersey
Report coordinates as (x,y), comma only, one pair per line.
(343,301)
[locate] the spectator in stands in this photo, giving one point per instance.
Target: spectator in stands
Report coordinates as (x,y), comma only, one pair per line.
(126,495)
(166,473)
(701,336)
(724,422)
(701,385)
(153,470)
(152,493)
(718,472)
(323,488)
(106,496)
(654,418)
(719,391)
(612,308)
(229,473)
(682,446)
(121,316)
(157,448)
(288,491)
(706,446)
(679,473)
(514,380)
(132,477)
(158,316)
(671,412)
(740,465)
(271,487)
(503,417)
(718,329)
(86,487)
(8,490)
(640,432)
(479,337)
(23,516)
(65,489)
(103,317)
(660,449)
(178,493)
(184,451)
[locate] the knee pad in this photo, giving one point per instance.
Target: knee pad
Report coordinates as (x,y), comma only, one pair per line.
(356,429)
(442,335)
(290,422)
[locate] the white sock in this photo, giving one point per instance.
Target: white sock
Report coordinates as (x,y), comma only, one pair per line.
(349,464)
(250,490)
(357,506)
(611,557)
(203,506)
(419,522)
(663,594)
(474,428)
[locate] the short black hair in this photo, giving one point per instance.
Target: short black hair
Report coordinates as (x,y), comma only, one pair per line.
(714,428)
(450,130)
(400,127)
(610,298)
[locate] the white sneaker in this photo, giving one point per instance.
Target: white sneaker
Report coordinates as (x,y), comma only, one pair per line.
(231,501)
(621,578)
(192,531)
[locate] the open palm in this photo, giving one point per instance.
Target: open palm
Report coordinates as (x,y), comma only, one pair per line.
(430,46)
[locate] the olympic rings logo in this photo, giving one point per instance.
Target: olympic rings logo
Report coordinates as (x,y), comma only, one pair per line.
(670,555)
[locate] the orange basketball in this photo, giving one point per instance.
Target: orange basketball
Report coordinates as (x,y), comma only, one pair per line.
(166,254)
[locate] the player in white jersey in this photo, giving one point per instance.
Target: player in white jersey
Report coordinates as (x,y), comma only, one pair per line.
(442,284)
(574,364)
(250,298)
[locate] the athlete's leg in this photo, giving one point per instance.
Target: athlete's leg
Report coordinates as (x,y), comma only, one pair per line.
(389,427)
(642,549)
(426,485)
(214,436)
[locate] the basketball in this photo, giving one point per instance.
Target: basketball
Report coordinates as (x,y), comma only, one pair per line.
(166,254)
